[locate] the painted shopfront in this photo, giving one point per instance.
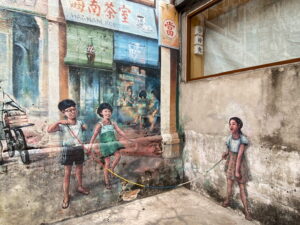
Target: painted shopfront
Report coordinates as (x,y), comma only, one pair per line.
(92,52)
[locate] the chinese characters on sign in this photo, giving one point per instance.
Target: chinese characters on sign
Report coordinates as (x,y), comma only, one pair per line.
(125,12)
(118,15)
(110,12)
(94,8)
(78,4)
(168,26)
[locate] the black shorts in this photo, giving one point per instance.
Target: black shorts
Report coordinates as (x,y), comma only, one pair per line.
(70,155)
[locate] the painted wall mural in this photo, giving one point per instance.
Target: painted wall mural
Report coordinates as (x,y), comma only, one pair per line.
(105,54)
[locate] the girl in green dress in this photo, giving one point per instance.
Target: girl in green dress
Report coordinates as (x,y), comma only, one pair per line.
(109,145)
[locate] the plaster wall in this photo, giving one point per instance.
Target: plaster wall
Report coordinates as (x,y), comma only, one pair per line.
(267,100)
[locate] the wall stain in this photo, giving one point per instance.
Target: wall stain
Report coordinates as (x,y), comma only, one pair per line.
(273,215)
(212,191)
(275,75)
(274,91)
(276,143)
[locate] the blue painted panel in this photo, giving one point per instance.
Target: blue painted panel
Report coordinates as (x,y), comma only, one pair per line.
(135,49)
(26,60)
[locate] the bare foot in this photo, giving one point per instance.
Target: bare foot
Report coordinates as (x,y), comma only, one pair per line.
(83,190)
(66,202)
(108,186)
(248,216)
(225,204)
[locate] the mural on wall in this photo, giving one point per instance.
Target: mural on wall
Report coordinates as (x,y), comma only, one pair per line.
(91,61)
(119,66)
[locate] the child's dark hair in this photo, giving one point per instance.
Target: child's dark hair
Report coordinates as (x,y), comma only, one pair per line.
(239,123)
(129,87)
(66,103)
(143,94)
(155,92)
(103,106)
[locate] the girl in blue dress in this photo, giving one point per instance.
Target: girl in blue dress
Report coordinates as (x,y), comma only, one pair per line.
(109,145)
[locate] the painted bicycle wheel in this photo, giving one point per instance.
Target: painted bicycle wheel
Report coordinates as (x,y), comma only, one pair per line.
(22,146)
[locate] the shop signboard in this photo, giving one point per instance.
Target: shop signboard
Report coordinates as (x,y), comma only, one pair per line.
(117,15)
(145,2)
(89,46)
(135,49)
(168,26)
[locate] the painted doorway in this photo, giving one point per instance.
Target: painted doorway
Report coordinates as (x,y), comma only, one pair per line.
(88,88)
(25,60)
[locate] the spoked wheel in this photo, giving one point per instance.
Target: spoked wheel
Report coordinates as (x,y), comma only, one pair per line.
(22,146)
(10,144)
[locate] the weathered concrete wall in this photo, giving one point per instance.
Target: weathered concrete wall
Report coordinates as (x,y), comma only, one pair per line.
(268,101)
(33,194)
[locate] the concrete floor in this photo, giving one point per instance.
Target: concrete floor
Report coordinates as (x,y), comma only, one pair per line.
(180,206)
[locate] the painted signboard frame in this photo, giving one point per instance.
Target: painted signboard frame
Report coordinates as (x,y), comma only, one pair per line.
(145,2)
(135,49)
(117,15)
(168,26)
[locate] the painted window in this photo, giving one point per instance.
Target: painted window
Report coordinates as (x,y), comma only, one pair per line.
(138,97)
(230,36)
(89,46)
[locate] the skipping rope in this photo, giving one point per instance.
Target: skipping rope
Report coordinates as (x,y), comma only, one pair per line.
(137,184)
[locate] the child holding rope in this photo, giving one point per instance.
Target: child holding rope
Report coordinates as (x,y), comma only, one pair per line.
(235,167)
(109,145)
(72,150)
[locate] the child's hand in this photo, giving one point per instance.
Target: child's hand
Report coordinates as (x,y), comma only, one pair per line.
(64,122)
(224,155)
(89,149)
(136,146)
(131,140)
(237,174)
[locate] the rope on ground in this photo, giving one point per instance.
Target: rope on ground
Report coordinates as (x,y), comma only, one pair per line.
(161,187)
(124,179)
(131,182)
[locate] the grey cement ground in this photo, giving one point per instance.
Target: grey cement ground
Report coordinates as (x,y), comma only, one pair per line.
(180,206)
